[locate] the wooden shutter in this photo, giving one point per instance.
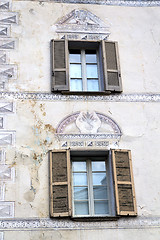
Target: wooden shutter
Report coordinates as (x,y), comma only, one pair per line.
(60,65)
(111,67)
(123,180)
(60,183)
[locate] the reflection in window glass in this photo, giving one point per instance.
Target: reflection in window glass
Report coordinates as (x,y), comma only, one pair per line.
(101,207)
(75,58)
(76,84)
(91,58)
(100,192)
(93,85)
(90,188)
(92,71)
(99,179)
(81,208)
(79,166)
(83,70)
(80,179)
(80,193)
(98,166)
(75,71)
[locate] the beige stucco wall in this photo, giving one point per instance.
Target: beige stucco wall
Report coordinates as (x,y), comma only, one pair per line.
(135,29)
(34,121)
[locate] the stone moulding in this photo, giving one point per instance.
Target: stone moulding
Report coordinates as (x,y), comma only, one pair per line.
(131,3)
(136,97)
(82,21)
(88,136)
(52,224)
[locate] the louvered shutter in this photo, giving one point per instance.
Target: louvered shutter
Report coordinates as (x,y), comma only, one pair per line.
(124,185)
(111,67)
(60,65)
(60,184)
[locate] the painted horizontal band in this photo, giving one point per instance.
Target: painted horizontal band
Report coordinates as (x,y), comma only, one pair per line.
(136,97)
(54,224)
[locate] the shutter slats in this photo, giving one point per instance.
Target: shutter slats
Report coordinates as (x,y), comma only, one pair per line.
(60,188)
(111,66)
(124,185)
(60,65)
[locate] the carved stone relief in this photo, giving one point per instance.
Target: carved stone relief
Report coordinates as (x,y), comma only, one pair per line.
(88,123)
(88,130)
(82,24)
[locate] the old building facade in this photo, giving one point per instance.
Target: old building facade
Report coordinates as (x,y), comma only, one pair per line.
(79,119)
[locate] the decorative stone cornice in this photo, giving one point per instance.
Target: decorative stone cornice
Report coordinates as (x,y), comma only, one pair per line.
(131,3)
(52,224)
(39,96)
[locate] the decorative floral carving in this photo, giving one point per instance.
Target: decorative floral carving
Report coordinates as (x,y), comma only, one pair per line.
(88,122)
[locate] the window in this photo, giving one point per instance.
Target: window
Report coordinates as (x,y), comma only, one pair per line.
(83,70)
(91,184)
(83,66)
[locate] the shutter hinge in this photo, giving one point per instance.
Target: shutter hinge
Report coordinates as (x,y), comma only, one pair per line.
(119,75)
(52,74)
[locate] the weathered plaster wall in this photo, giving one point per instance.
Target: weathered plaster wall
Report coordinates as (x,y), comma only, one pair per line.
(29,121)
(135,29)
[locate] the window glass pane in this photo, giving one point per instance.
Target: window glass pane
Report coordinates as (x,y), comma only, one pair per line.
(81,208)
(74,58)
(93,85)
(79,166)
(91,71)
(98,166)
(75,71)
(91,58)
(100,192)
(99,179)
(80,193)
(101,207)
(79,179)
(76,84)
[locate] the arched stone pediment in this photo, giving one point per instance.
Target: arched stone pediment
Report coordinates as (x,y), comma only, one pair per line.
(89,124)
(82,21)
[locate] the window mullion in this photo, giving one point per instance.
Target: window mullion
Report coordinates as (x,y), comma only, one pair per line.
(91,189)
(84,74)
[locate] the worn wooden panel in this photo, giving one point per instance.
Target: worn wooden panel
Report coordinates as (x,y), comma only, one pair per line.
(125,197)
(60,65)
(59,54)
(122,159)
(113,78)
(124,184)
(60,78)
(111,55)
(59,167)
(123,174)
(60,183)
(111,66)
(122,166)
(60,199)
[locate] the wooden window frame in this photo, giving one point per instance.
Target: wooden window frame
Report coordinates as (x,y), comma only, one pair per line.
(84,71)
(110,187)
(104,87)
(111,171)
